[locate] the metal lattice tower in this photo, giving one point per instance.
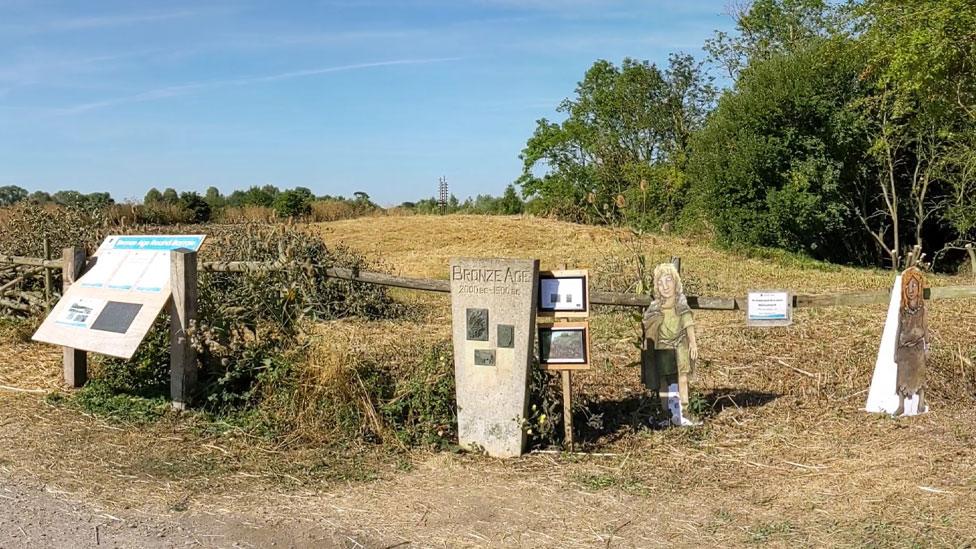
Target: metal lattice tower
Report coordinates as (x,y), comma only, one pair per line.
(444,194)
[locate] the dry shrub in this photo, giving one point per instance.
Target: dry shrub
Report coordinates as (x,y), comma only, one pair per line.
(333,210)
(245,214)
(121,214)
(389,382)
(25,226)
(249,333)
(399,211)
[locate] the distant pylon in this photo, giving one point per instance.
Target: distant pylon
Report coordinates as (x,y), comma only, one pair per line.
(444,194)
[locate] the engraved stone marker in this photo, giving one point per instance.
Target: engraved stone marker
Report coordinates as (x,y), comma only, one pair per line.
(493,305)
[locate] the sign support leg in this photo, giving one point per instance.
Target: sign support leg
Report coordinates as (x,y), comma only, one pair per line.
(75,360)
(183,311)
(567,376)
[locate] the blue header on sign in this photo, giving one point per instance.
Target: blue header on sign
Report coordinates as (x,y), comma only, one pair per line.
(158,243)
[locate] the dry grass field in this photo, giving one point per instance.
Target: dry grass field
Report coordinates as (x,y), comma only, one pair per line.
(786,457)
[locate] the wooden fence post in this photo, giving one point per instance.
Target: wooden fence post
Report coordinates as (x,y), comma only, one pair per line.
(183,311)
(567,376)
(48,278)
(75,360)
(972,259)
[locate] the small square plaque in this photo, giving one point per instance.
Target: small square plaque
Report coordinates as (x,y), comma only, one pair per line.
(506,336)
(484,357)
(116,317)
(477,324)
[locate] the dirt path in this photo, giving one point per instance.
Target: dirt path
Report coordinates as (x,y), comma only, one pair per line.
(36,515)
(888,484)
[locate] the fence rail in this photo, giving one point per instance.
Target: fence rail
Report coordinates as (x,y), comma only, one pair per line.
(597,297)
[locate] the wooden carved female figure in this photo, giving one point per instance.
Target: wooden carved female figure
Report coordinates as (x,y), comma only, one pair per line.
(670,347)
(912,345)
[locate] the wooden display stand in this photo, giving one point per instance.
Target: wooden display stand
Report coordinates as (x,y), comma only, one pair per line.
(183,311)
(574,324)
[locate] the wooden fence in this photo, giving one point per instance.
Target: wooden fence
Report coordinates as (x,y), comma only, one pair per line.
(597,297)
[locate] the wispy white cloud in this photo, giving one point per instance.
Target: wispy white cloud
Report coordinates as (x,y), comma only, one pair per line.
(68,23)
(189,88)
(99,21)
(63,69)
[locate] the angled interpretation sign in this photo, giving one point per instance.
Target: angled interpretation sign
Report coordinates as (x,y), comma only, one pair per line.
(110,309)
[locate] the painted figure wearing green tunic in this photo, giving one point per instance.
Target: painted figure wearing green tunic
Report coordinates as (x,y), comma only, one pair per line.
(670,347)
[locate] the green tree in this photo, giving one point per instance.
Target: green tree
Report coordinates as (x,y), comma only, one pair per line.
(197,205)
(766,28)
(257,196)
(293,203)
(214,198)
(510,203)
(12,194)
(626,125)
(921,67)
(782,160)
(153,196)
(170,196)
(39,197)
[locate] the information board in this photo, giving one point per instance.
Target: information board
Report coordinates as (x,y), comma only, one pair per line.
(564,346)
(110,309)
(564,294)
(769,308)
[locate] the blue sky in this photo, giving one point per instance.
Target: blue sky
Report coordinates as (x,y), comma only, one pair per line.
(335,95)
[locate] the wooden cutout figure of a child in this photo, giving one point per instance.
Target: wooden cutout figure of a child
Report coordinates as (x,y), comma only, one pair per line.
(670,347)
(912,340)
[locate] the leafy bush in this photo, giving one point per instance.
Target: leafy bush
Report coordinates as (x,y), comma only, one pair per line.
(249,322)
(195,204)
(293,204)
(417,404)
(781,161)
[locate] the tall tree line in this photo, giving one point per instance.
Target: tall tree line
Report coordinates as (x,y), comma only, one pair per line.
(848,133)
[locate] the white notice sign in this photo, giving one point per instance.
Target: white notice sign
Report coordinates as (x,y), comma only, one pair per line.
(131,270)
(81,312)
(110,308)
(769,308)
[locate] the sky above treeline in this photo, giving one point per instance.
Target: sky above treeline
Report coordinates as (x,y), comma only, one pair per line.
(338,96)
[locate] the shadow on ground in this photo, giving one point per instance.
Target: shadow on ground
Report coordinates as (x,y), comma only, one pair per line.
(605,421)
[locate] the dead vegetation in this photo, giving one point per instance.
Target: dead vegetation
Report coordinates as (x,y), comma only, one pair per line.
(786,456)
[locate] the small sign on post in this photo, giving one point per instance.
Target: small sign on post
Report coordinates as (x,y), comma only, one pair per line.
(769,308)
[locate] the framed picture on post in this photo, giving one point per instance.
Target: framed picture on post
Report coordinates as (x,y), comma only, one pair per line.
(564,346)
(564,294)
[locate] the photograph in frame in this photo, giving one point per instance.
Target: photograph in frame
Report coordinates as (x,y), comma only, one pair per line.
(563,293)
(563,345)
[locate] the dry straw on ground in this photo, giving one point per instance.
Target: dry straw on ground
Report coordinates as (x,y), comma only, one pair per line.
(787,457)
